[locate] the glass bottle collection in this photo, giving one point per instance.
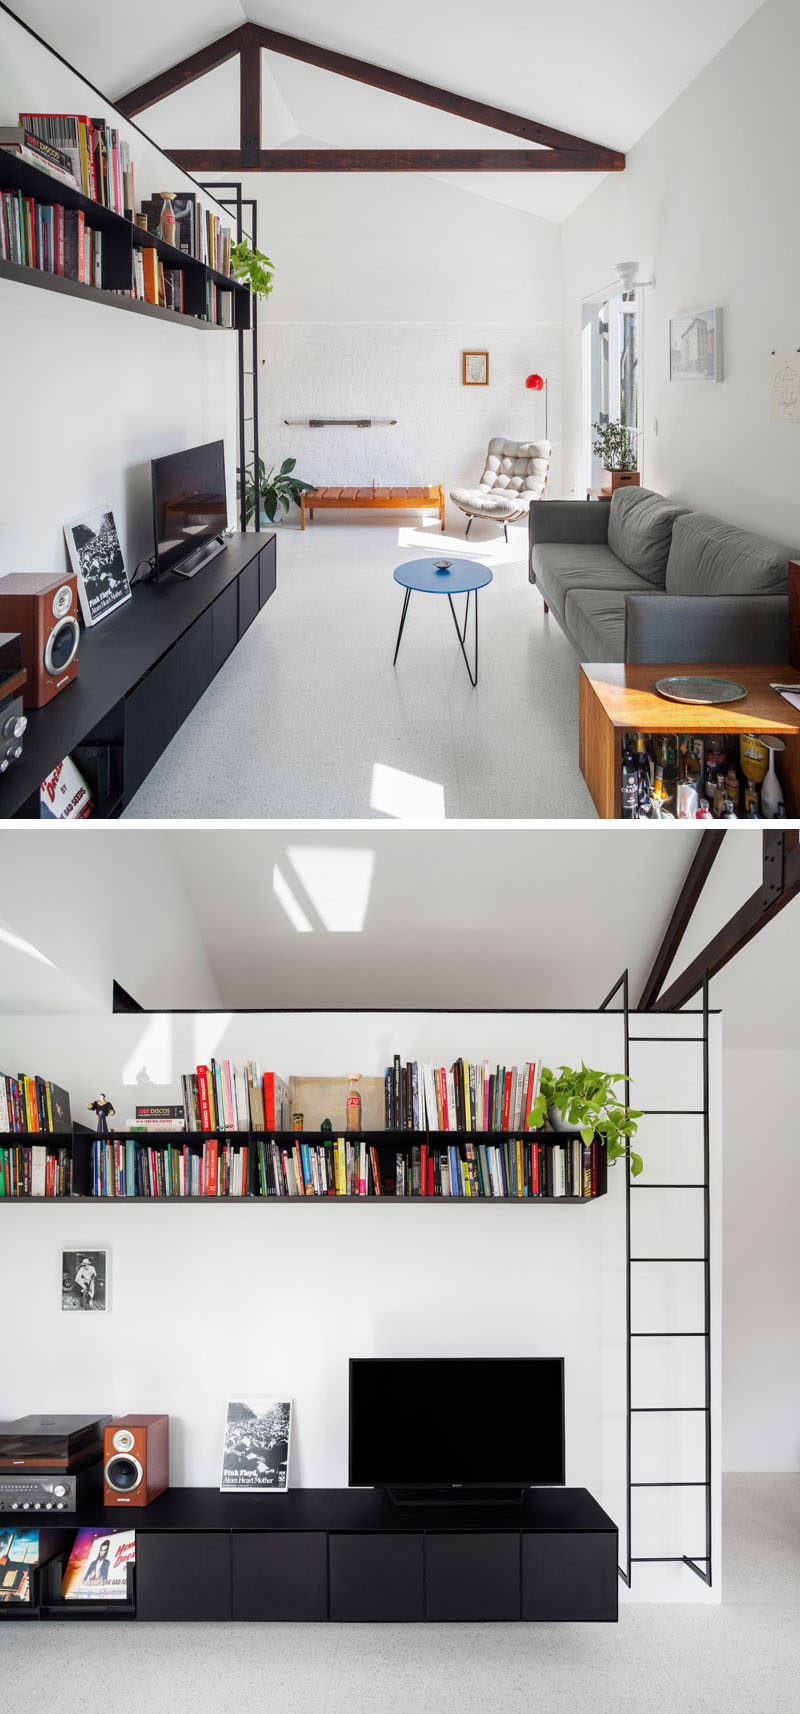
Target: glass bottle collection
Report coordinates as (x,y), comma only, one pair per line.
(666,777)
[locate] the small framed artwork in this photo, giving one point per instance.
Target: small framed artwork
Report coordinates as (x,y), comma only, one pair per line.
(784,404)
(695,346)
(255,1453)
(475,369)
(98,562)
(84,1281)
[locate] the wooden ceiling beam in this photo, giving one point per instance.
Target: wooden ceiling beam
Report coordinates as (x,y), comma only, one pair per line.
(706,853)
(185,72)
(781,853)
(558,151)
(386,161)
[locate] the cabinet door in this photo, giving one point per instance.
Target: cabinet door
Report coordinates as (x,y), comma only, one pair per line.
(150,722)
(280,1574)
(225,623)
(248,595)
(267,572)
(183,1575)
(194,665)
(472,1577)
(570,1576)
(377,1577)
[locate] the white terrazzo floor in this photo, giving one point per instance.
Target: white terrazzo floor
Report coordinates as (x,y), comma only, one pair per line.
(309,704)
(739,1658)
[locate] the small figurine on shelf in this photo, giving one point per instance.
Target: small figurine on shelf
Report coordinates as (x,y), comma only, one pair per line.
(297,1121)
(104,1110)
(353,1104)
(166,224)
(326,1128)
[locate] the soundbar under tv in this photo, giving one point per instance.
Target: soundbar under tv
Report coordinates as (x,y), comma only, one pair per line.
(457,1429)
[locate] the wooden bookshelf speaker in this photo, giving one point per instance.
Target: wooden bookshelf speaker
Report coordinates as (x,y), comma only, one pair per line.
(44,610)
(135,1460)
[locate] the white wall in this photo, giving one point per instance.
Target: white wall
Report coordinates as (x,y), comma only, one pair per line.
(705,202)
(91,393)
(761,1347)
(208,1300)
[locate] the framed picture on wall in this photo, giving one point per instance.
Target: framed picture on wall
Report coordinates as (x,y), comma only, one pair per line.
(97,560)
(695,346)
(84,1281)
(475,369)
(255,1452)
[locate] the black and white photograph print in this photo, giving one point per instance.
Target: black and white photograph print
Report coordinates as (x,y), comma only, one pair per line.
(695,346)
(97,559)
(84,1280)
(255,1455)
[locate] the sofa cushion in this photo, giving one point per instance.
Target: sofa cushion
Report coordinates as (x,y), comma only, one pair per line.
(708,557)
(640,531)
(596,620)
(562,566)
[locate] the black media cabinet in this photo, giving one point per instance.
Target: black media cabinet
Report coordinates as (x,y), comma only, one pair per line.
(140,673)
(350,1556)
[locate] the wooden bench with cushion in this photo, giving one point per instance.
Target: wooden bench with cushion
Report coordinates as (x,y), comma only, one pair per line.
(373,499)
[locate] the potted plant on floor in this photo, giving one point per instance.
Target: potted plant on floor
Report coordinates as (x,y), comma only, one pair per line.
(277,490)
(586,1101)
(617,446)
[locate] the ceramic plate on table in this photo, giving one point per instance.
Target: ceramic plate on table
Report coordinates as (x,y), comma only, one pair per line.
(707,691)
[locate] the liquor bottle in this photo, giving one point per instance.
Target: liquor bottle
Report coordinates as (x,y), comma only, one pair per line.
(703,811)
(645,762)
(751,800)
(711,782)
(630,781)
(727,812)
(719,796)
(353,1105)
(732,786)
(771,794)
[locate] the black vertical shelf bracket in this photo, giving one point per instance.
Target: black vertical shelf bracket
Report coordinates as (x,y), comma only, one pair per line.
(248,458)
(699,1563)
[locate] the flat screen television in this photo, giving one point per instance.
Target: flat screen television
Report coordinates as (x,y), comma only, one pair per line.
(433,1426)
(190,511)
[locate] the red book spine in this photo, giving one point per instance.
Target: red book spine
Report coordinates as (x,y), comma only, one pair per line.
(430,1177)
(445,1112)
(211,1167)
(202,1090)
(529,1092)
(269,1101)
(423,1170)
(81,247)
(535,1169)
(506,1102)
(58,228)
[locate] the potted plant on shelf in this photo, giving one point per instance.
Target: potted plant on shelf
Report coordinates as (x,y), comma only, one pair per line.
(254,267)
(277,490)
(617,447)
(586,1101)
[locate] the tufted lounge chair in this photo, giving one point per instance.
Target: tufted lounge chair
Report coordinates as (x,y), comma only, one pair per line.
(515,473)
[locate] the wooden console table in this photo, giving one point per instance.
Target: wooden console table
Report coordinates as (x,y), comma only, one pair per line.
(615,698)
(373,499)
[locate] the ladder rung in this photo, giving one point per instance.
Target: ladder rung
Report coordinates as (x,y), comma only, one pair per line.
(698,1039)
(701,1334)
(661,1410)
(671,1484)
(669,1559)
(695,1186)
(669,1259)
(672,1112)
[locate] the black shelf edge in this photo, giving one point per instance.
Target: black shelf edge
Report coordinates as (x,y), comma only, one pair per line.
(255,1196)
(27,276)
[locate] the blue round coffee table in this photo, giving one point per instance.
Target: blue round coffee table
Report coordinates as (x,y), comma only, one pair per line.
(462,577)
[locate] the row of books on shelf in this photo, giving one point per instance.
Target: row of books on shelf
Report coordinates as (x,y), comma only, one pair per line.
(467,1097)
(131,1168)
(217,1097)
(53,239)
(33,1104)
(29,1169)
(516,1167)
(155,284)
(85,154)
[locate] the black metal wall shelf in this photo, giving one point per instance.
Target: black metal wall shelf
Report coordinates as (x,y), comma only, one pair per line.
(120,237)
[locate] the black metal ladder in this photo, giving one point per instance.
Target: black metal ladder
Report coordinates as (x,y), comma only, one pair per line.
(248,456)
(699,1563)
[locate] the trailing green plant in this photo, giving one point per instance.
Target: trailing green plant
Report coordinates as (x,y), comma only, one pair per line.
(616,446)
(253,266)
(587,1102)
(275,489)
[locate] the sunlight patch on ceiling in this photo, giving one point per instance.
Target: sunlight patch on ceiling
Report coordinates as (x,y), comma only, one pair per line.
(286,898)
(19,944)
(337,881)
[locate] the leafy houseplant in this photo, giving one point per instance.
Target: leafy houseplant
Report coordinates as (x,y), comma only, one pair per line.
(275,489)
(253,266)
(586,1102)
(616,445)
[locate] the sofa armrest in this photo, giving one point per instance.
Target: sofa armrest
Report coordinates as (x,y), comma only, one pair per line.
(695,629)
(568,521)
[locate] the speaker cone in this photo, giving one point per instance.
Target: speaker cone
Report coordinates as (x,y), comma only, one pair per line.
(123,1474)
(62,645)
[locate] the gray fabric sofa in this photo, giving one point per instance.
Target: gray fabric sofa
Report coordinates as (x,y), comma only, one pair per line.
(642,579)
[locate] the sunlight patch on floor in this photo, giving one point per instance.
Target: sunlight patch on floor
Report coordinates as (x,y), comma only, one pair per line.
(405,796)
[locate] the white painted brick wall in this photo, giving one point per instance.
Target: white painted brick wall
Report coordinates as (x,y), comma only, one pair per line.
(411,371)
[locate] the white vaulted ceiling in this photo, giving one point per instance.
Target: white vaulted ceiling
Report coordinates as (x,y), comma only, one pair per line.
(209,918)
(605,77)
